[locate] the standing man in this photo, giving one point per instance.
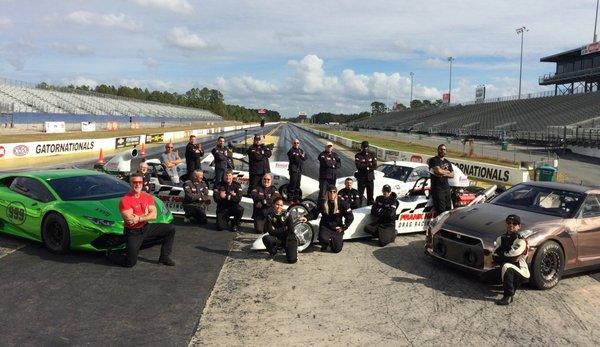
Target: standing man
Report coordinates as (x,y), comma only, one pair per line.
(329,163)
(170,159)
(143,170)
(193,153)
(228,196)
(196,198)
(296,157)
(220,161)
(349,194)
(258,157)
(137,209)
(263,197)
(440,169)
(366,163)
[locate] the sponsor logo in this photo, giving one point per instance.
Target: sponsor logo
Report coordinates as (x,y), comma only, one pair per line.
(121,142)
(20,150)
(64,147)
(150,138)
(489,173)
(417,216)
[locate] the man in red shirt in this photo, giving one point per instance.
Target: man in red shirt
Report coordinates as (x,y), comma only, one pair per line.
(137,208)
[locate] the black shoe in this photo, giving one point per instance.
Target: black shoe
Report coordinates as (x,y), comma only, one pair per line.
(202,222)
(166,261)
(234,228)
(505,300)
(324,248)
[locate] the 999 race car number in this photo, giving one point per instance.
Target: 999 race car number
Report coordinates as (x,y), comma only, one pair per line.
(16,212)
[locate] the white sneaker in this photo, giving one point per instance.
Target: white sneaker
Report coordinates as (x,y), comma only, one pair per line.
(186,220)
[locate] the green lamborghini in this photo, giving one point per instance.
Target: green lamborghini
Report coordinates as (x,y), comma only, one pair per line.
(66,209)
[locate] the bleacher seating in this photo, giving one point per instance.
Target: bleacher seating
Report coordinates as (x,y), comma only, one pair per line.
(18,98)
(536,114)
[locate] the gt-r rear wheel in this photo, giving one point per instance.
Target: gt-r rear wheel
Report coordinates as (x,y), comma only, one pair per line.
(55,233)
(548,265)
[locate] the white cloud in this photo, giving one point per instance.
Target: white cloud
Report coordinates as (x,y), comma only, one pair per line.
(177,6)
(181,37)
(246,86)
(150,62)
(76,49)
(436,63)
(81,81)
(115,20)
(5,23)
(309,75)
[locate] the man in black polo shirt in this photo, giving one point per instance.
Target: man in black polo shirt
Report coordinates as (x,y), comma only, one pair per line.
(440,169)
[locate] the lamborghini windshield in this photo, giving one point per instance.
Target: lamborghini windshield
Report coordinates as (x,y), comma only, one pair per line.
(89,187)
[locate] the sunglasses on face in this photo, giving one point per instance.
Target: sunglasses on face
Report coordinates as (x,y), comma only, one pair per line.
(137,182)
(170,147)
(512,223)
(296,143)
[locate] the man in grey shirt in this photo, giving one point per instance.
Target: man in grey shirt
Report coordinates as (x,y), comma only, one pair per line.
(170,159)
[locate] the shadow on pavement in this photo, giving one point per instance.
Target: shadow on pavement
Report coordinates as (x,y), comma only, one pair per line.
(420,269)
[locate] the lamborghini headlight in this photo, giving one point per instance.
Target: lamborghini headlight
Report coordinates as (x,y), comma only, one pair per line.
(99,221)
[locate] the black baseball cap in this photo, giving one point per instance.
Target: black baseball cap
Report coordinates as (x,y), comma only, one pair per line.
(386,188)
(257,137)
(513,218)
(364,144)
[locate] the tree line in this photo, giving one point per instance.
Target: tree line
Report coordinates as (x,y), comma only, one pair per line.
(206,99)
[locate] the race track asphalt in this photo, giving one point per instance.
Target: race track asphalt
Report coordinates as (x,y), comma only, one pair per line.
(82,298)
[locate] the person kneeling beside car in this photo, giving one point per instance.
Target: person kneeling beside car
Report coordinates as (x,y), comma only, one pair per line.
(336,217)
(384,212)
(511,254)
(137,209)
(281,232)
(196,198)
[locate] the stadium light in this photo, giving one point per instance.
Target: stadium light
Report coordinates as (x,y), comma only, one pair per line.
(450,60)
(521,31)
(596,21)
(412,74)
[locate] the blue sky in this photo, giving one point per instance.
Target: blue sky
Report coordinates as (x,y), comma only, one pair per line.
(297,56)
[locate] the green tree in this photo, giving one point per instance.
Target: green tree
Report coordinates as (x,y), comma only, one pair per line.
(377,108)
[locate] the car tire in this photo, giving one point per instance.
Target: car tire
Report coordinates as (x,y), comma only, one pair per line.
(304,234)
(55,233)
(309,204)
(548,264)
(283,191)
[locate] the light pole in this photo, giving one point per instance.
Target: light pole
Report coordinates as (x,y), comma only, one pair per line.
(521,31)
(596,22)
(450,60)
(412,74)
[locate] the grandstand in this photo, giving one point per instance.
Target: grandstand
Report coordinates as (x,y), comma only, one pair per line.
(569,114)
(18,97)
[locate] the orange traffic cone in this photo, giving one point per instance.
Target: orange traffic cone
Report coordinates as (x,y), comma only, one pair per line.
(143,151)
(101,157)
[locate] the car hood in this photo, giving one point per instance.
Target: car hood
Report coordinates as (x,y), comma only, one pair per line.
(105,209)
(487,221)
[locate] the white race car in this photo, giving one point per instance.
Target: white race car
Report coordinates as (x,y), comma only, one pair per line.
(415,211)
(172,194)
(402,175)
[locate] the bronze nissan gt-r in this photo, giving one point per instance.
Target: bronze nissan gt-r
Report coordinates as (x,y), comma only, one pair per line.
(560,222)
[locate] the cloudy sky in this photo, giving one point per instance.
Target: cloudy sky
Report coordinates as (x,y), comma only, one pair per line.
(291,56)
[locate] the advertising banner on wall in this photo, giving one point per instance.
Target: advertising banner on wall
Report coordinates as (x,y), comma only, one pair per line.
(151,138)
(54,127)
(480,93)
(121,142)
(88,126)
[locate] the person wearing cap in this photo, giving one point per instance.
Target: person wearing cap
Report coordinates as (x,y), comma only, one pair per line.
(263,197)
(366,163)
(336,217)
(193,153)
(280,231)
(219,153)
(383,212)
(258,158)
(349,194)
(440,169)
(296,157)
(196,199)
(329,163)
(170,160)
(511,255)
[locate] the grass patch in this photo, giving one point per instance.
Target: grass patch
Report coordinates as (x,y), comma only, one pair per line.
(404,146)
